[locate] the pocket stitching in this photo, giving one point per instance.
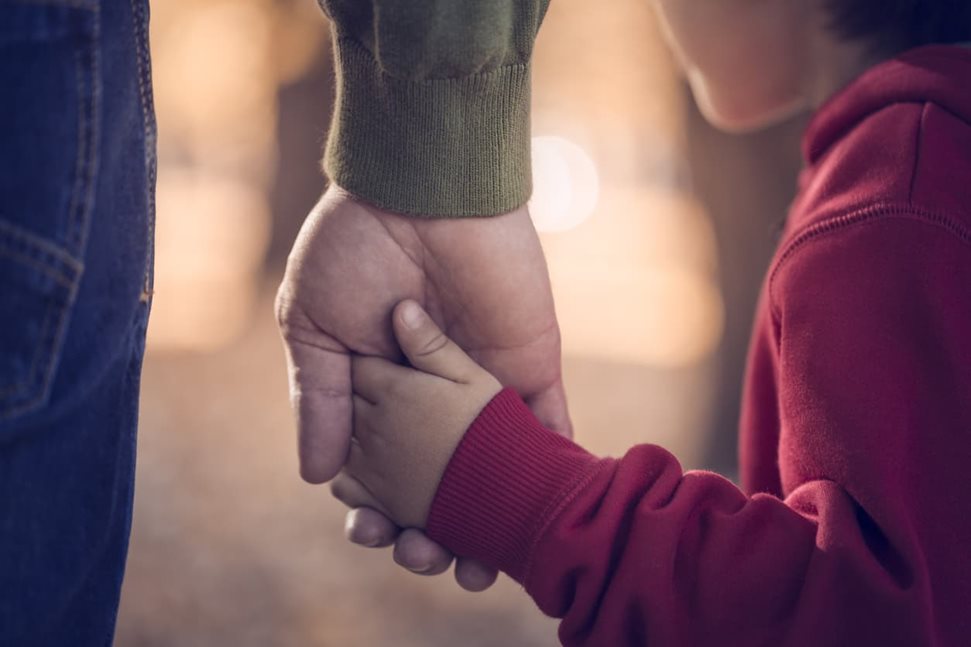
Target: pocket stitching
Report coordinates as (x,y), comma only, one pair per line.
(46,257)
(39,253)
(33,377)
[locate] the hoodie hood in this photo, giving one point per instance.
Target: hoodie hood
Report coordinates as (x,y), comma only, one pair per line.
(939,74)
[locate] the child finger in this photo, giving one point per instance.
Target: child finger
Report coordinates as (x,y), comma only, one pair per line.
(372,377)
(366,426)
(363,413)
(427,347)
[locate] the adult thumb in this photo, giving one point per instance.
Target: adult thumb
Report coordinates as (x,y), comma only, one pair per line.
(428,348)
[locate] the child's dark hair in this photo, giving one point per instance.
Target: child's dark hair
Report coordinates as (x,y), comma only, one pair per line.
(894,25)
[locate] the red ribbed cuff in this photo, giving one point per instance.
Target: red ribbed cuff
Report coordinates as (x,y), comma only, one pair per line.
(505,480)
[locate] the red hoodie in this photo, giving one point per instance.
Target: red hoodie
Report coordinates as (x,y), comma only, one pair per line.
(853,526)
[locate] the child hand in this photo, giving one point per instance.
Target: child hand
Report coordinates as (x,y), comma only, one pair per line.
(408,422)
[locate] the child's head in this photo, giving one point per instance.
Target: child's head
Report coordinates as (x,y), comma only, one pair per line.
(753,62)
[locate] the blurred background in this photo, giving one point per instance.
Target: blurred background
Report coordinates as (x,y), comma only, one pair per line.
(656,229)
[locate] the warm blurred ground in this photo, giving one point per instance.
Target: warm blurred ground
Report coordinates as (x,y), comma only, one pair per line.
(655,259)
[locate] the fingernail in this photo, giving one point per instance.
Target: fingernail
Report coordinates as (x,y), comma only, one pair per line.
(411,315)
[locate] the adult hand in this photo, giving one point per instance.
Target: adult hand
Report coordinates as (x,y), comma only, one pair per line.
(483,280)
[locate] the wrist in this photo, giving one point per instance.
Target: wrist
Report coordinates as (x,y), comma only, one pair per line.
(505,481)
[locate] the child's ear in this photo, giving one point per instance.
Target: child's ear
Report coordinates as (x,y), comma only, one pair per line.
(427,348)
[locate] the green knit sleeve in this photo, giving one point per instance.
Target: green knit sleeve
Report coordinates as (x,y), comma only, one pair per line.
(432,114)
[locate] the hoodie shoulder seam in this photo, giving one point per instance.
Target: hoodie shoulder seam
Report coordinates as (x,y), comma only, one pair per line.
(870,214)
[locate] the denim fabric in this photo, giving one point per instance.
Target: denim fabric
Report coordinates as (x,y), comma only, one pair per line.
(77,175)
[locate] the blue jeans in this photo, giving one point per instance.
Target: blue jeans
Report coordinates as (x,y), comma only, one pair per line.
(77,176)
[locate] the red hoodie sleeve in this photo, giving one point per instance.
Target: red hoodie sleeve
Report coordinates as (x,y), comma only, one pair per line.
(869,546)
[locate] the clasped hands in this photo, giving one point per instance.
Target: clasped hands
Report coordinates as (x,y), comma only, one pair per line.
(408,420)
(383,431)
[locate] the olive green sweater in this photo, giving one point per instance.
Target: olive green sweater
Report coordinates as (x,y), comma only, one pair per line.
(432,114)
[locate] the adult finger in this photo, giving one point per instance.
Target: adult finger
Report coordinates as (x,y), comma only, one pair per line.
(549,407)
(369,524)
(368,527)
(427,347)
(320,394)
(473,575)
(419,554)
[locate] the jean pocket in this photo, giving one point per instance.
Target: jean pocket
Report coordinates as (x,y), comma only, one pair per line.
(38,282)
(50,84)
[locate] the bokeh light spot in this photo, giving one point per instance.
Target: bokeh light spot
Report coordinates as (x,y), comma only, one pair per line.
(565,184)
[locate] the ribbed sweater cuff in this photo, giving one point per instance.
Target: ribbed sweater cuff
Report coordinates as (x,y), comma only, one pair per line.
(506,479)
(434,148)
